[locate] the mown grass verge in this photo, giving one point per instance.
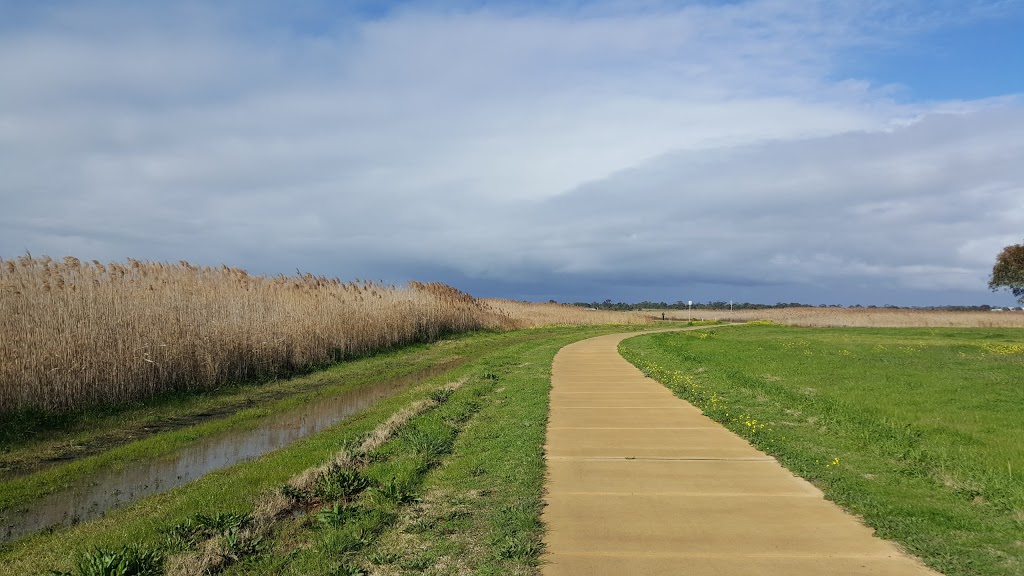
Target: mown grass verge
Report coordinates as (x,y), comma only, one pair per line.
(917,431)
(514,367)
(479,512)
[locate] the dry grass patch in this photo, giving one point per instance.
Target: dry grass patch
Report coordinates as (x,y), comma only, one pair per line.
(532,314)
(77,335)
(864,317)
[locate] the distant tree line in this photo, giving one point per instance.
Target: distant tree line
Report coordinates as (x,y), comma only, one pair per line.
(680,305)
(724,305)
(1007,274)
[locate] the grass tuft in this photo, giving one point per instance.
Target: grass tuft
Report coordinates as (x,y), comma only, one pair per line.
(339,484)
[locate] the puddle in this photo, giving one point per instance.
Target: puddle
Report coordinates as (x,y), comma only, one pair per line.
(109,490)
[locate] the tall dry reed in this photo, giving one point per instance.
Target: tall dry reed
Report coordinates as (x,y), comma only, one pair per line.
(75,335)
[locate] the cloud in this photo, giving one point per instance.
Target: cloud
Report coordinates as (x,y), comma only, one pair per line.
(915,207)
(533,150)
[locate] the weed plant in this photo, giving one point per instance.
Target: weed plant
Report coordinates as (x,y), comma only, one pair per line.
(202,527)
(127,561)
(339,483)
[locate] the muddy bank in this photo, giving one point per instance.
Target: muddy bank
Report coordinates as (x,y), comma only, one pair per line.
(91,497)
(21,462)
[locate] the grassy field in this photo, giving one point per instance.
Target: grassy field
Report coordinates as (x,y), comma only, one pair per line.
(454,488)
(918,431)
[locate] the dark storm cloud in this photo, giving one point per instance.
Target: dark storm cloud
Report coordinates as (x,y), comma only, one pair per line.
(920,208)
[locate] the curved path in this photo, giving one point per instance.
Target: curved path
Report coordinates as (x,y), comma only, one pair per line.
(640,482)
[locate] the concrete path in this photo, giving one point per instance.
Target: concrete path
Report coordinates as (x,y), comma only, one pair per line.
(640,482)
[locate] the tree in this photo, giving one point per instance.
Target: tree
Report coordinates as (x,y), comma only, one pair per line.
(1008,272)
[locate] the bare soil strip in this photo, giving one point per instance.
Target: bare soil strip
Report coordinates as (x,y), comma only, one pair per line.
(640,482)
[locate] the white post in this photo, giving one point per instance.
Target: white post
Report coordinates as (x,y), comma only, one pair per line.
(689,310)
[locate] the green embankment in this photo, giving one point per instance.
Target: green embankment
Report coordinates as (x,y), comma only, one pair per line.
(918,431)
(471,500)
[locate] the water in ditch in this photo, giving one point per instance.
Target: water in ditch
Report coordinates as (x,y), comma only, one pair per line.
(93,496)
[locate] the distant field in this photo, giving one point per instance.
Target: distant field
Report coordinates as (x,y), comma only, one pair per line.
(532,314)
(858,317)
(919,431)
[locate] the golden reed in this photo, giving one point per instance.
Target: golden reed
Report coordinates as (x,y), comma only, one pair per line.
(83,334)
(78,334)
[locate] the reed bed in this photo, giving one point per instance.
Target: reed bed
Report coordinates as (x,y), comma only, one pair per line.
(75,335)
(530,314)
(864,317)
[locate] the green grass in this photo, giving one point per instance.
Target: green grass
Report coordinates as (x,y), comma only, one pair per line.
(457,491)
(479,512)
(491,454)
(918,431)
(332,539)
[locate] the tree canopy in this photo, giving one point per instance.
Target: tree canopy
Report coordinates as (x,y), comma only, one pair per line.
(1008,271)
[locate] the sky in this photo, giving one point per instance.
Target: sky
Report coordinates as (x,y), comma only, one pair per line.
(824,152)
